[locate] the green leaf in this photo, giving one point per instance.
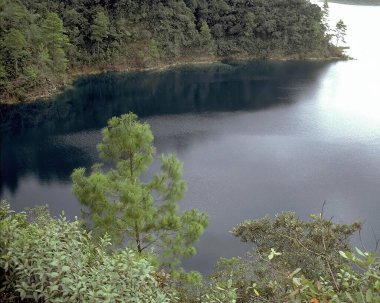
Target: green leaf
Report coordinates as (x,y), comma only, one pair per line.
(54,263)
(65,268)
(343,254)
(54,274)
(53,288)
(360,252)
(369,296)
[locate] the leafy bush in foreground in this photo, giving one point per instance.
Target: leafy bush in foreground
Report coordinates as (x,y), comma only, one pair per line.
(286,247)
(354,286)
(53,260)
(49,260)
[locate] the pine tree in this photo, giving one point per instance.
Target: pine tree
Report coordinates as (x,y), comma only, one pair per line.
(100,28)
(207,41)
(15,43)
(143,213)
(326,15)
(56,40)
(340,32)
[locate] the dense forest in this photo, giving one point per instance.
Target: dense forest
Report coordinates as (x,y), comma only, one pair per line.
(43,43)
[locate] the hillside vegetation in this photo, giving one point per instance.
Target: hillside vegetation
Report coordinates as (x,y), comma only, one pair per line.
(43,43)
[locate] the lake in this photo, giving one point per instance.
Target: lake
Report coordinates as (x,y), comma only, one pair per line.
(256,137)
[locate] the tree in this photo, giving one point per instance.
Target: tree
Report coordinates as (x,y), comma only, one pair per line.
(15,44)
(55,39)
(325,15)
(143,213)
(340,32)
(205,32)
(206,38)
(127,33)
(100,28)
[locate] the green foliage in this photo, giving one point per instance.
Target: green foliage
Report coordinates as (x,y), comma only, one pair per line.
(219,292)
(15,44)
(311,245)
(284,247)
(49,260)
(154,50)
(358,282)
(56,40)
(122,203)
(33,50)
(326,15)
(48,35)
(100,28)
(200,291)
(340,32)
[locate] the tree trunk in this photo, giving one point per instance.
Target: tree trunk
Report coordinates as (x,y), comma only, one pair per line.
(137,238)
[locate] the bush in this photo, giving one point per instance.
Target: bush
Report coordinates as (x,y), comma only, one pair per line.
(312,245)
(219,292)
(361,285)
(53,260)
(282,245)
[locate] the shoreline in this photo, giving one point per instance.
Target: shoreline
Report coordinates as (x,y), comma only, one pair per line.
(104,68)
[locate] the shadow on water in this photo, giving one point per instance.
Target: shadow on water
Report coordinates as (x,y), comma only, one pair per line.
(28,130)
(192,89)
(39,157)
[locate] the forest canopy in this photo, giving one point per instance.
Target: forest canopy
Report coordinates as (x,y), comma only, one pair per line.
(42,42)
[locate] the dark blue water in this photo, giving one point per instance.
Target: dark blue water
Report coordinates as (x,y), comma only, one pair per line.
(256,138)
(36,138)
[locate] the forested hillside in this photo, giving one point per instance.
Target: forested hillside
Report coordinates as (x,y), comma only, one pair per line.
(44,42)
(358,2)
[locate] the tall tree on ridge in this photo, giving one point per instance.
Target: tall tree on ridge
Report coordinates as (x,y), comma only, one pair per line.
(100,28)
(15,44)
(56,40)
(340,32)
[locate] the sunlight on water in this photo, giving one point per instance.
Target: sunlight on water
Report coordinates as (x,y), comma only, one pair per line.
(362,23)
(349,95)
(354,111)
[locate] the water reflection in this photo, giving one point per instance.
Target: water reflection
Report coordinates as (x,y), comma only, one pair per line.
(219,87)
(255,138)
(43,158)
(32,141)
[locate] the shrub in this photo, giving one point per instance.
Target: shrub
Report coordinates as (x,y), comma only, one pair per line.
(200,291)
(53,260)
(219,292)
(358,282)
(282,245)
(312,245)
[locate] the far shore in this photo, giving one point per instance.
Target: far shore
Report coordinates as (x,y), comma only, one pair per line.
(46,93)
(357,2)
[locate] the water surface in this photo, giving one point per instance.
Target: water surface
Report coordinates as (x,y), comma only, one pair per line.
(256,138)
